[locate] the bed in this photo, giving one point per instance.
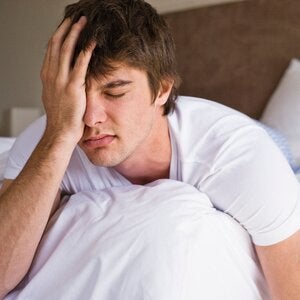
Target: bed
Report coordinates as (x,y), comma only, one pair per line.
(5,145)
(243,55)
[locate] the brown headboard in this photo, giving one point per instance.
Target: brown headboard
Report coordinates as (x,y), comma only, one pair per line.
(236,53)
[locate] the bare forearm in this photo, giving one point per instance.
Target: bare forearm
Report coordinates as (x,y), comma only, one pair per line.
(26,204)
(25,208)
(281,266)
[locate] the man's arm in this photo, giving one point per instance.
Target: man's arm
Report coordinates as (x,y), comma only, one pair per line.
(25,207)
(27,202)
(281,266)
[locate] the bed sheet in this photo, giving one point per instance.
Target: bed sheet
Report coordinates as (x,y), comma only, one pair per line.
(157,242)
(5,145)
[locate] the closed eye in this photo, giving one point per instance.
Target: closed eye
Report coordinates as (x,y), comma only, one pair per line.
(115,95)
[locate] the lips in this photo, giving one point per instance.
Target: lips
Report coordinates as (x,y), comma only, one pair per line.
(99,141)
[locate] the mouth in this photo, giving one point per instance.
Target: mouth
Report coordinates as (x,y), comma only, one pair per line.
(98,141)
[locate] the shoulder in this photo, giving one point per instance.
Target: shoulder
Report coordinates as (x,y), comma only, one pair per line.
(213,137)
(197,116)
(193,106)
(202,129)
(233,160)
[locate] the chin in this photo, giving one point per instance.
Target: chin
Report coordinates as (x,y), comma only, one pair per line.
(104,159)
(102,162)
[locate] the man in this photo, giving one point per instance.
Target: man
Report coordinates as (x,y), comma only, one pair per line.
(109,89)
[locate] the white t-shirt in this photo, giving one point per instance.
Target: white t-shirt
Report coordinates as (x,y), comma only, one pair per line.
(218,150)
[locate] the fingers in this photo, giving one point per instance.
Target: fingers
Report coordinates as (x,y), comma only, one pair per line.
(80,68)
(51,60)
(60,49)
(68,47)
(45,64)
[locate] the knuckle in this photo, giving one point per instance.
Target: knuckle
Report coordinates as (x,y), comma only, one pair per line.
(81,61)
(47,80)
(66,48)
(50,78)
(79,64)
(58,83)
(76,27)
(71,87)
(43,75)
(54,39)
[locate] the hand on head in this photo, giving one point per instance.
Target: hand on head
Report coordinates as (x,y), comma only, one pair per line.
(64,95)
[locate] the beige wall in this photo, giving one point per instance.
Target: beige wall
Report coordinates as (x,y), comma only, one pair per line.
(25,28)
(166,6)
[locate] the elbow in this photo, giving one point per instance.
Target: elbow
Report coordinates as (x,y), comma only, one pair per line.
(8,283)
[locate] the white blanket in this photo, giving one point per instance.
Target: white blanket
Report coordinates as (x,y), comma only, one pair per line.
(5,145)
(163,241)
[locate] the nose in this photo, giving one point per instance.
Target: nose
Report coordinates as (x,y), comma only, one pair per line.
(95,111)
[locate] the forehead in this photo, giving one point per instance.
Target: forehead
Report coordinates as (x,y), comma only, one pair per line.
(120,72)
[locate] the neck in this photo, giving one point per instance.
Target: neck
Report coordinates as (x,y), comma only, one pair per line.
(151,161)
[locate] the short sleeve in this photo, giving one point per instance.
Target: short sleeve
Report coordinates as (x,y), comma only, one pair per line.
(23,147)
(252,181)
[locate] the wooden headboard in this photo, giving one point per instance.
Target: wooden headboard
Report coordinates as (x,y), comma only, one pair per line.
(236,53)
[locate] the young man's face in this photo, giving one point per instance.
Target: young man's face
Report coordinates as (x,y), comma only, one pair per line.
(121,118)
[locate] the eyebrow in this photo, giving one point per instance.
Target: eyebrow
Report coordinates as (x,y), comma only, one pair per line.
(116,83)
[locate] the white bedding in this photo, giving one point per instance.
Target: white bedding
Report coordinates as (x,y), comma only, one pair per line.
(5,145)
(163,241)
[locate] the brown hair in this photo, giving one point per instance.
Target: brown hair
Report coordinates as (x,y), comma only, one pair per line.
(129,31)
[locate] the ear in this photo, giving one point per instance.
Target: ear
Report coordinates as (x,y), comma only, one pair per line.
(164,91)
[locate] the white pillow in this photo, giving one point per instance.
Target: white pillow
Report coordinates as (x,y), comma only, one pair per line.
(283,109)
(5,145)
(3,159)
(163,240)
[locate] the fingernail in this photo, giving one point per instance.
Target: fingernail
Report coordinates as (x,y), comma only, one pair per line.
(82,19)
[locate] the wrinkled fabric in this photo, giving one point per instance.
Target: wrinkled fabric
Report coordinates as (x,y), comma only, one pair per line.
(161,241)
